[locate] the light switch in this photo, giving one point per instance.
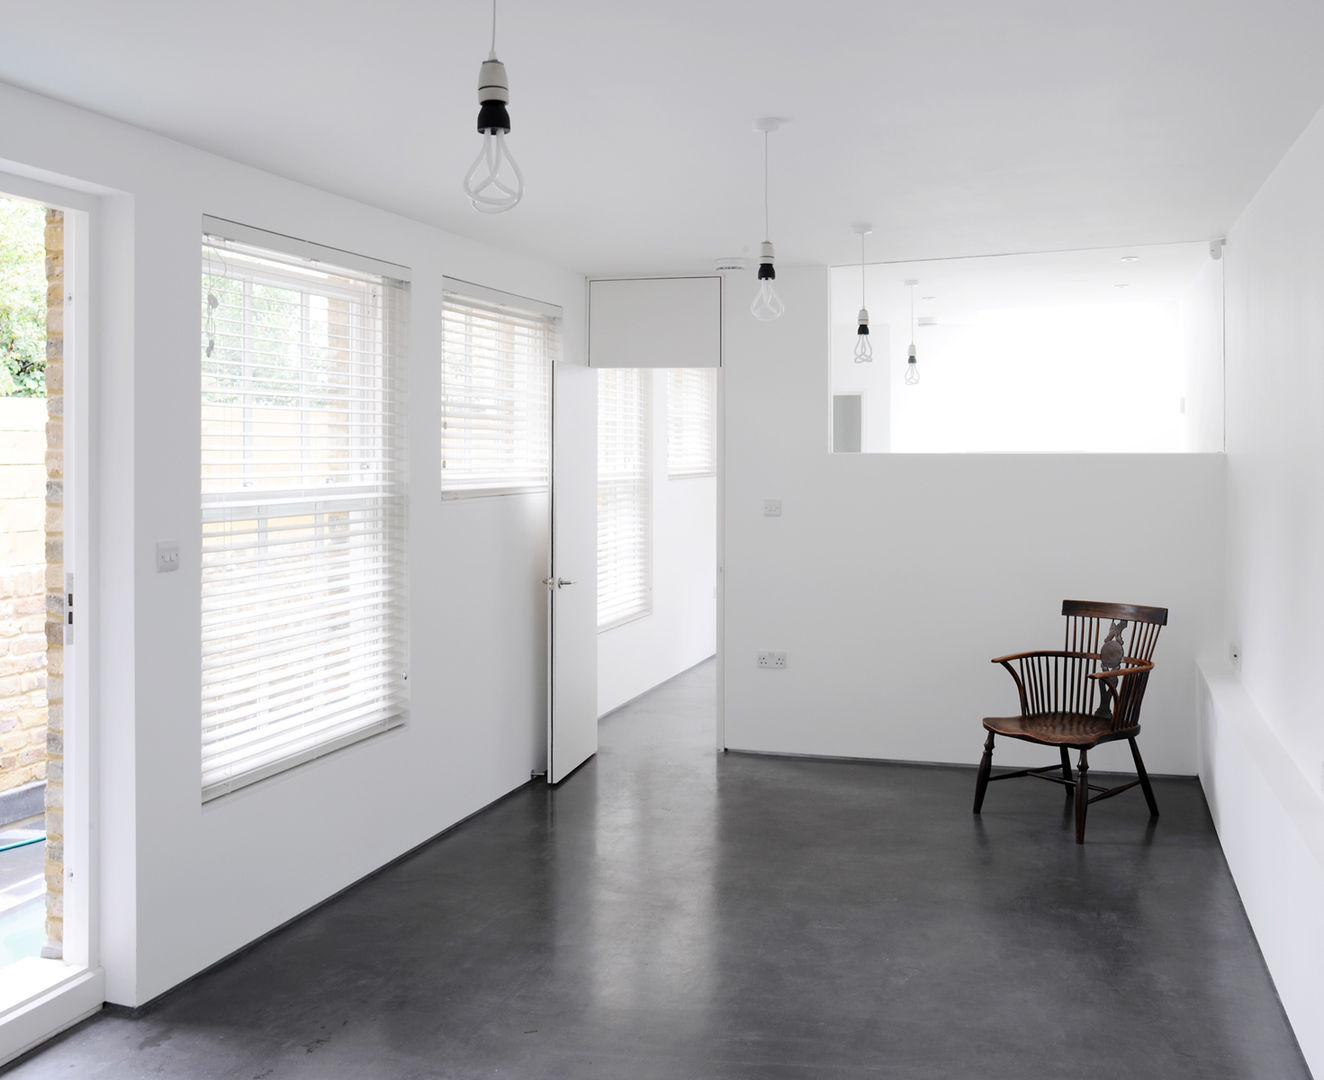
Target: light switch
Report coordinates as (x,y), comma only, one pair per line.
(167,556)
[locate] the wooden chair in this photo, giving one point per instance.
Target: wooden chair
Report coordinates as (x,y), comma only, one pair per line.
(1088,693)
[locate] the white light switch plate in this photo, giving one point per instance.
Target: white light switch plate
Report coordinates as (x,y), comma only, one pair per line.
(167,556)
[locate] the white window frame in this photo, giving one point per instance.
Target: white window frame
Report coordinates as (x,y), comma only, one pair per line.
(691,422)
(304,590)
(496,371)
(625,496)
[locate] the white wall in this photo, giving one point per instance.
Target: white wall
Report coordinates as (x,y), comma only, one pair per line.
(1265,724)
(682,628)
(185,884)
(891,580)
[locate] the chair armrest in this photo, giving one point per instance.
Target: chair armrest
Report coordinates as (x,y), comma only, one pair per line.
(1141,666)
(1044,652)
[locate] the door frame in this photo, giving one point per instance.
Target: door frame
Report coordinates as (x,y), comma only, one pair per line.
(48,996)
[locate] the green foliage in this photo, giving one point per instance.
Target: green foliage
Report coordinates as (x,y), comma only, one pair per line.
(22,299)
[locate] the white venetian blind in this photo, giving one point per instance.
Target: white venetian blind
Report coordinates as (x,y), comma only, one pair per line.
(303,509)
(496,364)
(691,394)
(624,496)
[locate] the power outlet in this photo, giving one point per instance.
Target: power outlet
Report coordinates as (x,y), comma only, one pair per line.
(772,508)
(773,661)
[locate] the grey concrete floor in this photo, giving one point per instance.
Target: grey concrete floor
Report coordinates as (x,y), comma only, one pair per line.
(670,912)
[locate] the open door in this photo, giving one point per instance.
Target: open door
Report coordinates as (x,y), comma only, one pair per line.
(572,584)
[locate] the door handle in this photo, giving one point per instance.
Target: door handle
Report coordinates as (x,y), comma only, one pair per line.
(556,583)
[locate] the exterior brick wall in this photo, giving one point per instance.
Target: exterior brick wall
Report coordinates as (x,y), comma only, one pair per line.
(53,618)
(22,592)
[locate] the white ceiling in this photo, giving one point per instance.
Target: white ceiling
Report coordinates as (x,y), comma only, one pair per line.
(957,127)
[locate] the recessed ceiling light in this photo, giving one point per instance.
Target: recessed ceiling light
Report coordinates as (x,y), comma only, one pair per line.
(1130,258)
(1122,285)
(928,298)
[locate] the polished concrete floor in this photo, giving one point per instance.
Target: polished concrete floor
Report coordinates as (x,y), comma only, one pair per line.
(676,914)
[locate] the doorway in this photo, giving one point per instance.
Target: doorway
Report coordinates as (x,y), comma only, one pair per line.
(658,469)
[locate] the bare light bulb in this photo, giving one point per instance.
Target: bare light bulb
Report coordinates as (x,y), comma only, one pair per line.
(494,182)
(767,304)
(912,361)
(863,346)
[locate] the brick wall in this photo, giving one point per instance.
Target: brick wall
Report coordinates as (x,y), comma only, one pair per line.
(22,592)
(53,604)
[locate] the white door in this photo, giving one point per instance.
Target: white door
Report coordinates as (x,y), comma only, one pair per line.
(572,698)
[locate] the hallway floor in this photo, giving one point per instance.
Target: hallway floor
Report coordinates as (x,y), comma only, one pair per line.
(674,913)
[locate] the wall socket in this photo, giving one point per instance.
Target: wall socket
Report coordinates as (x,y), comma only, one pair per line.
(772,508)
(775,661)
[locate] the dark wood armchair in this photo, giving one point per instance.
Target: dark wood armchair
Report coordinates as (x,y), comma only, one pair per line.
(1088,693)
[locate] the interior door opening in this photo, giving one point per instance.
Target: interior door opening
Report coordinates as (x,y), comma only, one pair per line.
(657,526)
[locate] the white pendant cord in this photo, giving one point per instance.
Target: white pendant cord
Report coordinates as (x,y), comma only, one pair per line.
(492,53)
(862,303)
(912,317)
(767,234)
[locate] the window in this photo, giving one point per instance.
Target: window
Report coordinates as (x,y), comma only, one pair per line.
(496,362)
(303,507)
(1107,350)
(690,411)
(624,496)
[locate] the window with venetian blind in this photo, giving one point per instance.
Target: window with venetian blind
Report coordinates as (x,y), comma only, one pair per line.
(624,496)
(691,409)
(304,643)
(497,352)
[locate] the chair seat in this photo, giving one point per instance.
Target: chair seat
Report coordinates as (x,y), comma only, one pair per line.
(1077,730)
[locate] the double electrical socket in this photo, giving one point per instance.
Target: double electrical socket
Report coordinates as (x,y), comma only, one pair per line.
(775,660)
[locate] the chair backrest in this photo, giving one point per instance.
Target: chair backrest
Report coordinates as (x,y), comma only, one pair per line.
(1088,623)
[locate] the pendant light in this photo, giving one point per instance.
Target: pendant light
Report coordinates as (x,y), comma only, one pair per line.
(767,304)
(863,347)
(494,182)
(912,361)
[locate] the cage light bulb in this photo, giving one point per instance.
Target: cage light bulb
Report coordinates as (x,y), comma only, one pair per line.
(863,346)
(494,182)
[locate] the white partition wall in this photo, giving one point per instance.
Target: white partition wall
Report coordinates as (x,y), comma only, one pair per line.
(890,580)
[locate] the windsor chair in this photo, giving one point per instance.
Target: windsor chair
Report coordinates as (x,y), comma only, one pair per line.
(1087,693)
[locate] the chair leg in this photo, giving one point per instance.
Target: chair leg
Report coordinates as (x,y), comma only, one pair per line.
(985,767)
(1144,779)
(1082,796)
(1066,771)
